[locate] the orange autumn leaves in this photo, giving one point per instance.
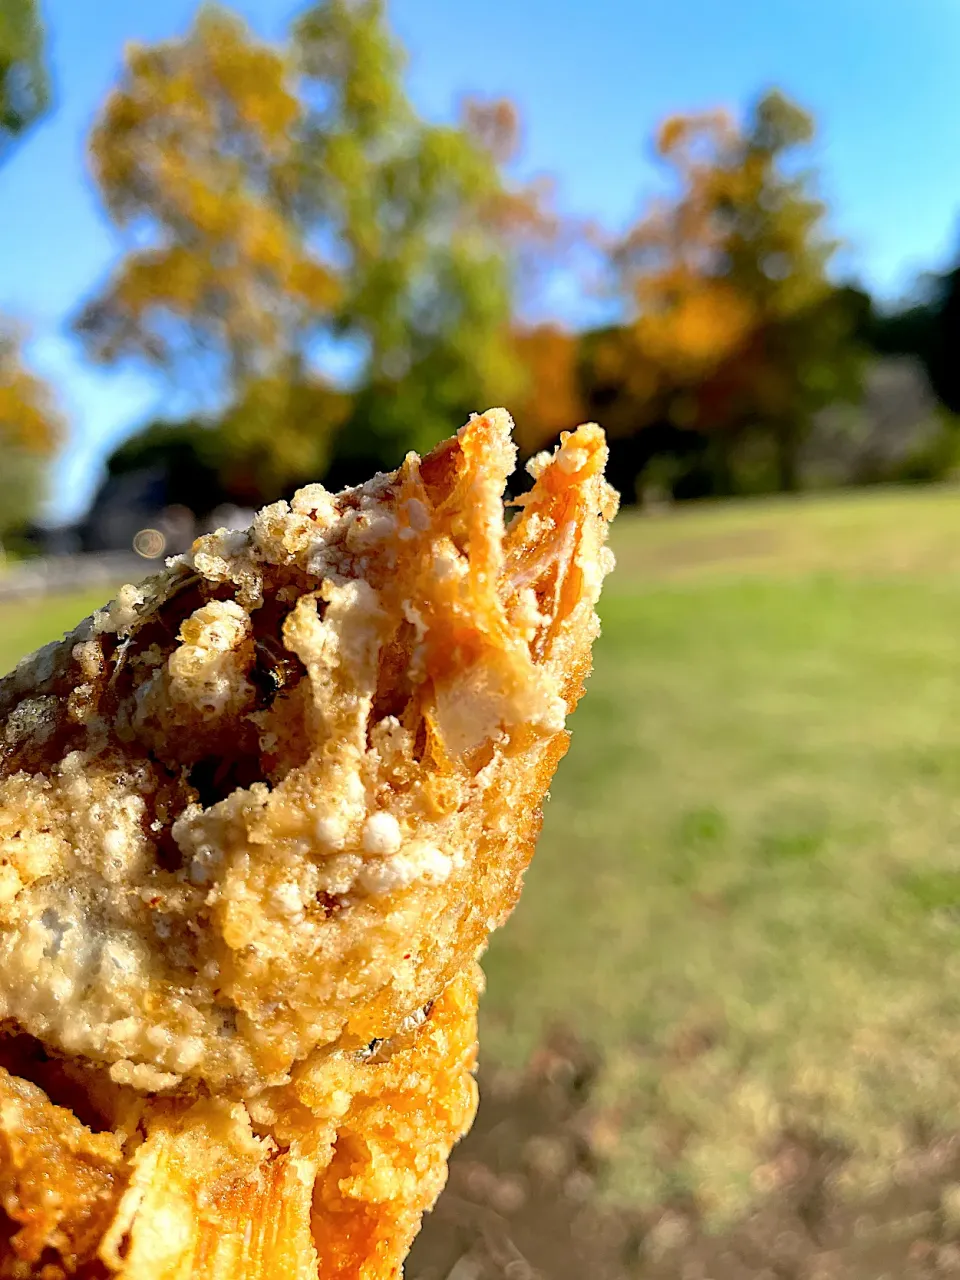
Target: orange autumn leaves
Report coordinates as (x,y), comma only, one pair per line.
(729,324)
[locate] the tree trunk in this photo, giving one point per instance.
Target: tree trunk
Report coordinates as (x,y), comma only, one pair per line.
(788,449)
(721,463)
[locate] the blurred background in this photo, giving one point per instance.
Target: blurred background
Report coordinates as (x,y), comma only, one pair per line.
(243,248)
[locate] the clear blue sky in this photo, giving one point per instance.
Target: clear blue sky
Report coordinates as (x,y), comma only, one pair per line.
(592,78)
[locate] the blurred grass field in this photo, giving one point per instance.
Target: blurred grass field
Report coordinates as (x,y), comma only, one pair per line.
(747,893)
(27,624)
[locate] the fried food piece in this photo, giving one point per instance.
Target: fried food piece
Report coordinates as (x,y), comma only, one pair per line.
(257,820)
(59,1182)
(325,1178)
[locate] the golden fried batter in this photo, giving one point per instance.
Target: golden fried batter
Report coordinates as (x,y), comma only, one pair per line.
(257,820)
(199,1188)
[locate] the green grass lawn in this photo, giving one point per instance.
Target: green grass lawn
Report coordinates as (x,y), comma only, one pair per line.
(747,893)
(27,624)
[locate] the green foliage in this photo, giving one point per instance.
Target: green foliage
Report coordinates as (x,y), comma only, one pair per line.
(926,326)
(22,486)
(419,215)
(277,197)
(24,82)
(31,428)
(944,360)
(169,444)
(273,437)
(193,154)
(935,459)
(909,330)
(196,156)
(30,425)
(276,435)
(188,454)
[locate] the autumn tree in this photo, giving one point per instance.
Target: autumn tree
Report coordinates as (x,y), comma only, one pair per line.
(196,157)
(226,164)
(31,429)
(30,423)
(736,328)
(24,81)
(268,436)
(430,229)
(551,398)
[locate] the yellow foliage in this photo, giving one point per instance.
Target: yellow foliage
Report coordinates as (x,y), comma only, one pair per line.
(279,431)
(700,327)
(726,281)
(684,138)
(553,403)
(192,151)
(29,418)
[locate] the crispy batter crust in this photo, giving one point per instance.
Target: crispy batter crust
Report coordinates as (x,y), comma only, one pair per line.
(257,820)
(197,1191)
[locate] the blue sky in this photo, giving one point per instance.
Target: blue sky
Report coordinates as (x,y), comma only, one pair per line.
(592,78)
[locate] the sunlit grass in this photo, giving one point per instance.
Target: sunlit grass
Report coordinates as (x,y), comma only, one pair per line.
(747,893)
(27,624)
(855,531)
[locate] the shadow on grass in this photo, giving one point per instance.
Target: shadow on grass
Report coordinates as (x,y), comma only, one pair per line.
(524,1201)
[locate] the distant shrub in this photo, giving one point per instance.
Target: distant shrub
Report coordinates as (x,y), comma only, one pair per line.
(897,432)
(937,458)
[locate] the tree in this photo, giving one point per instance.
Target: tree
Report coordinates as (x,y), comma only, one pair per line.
(186,454)
(228,164)
(30,431)
(736,328)
(24,83)
(551,400)
(195,157)
(943,362)
(925,325)
(267,440)
(30,424)
(429,229)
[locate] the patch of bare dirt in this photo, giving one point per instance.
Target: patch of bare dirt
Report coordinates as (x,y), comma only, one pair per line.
(521,1203)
